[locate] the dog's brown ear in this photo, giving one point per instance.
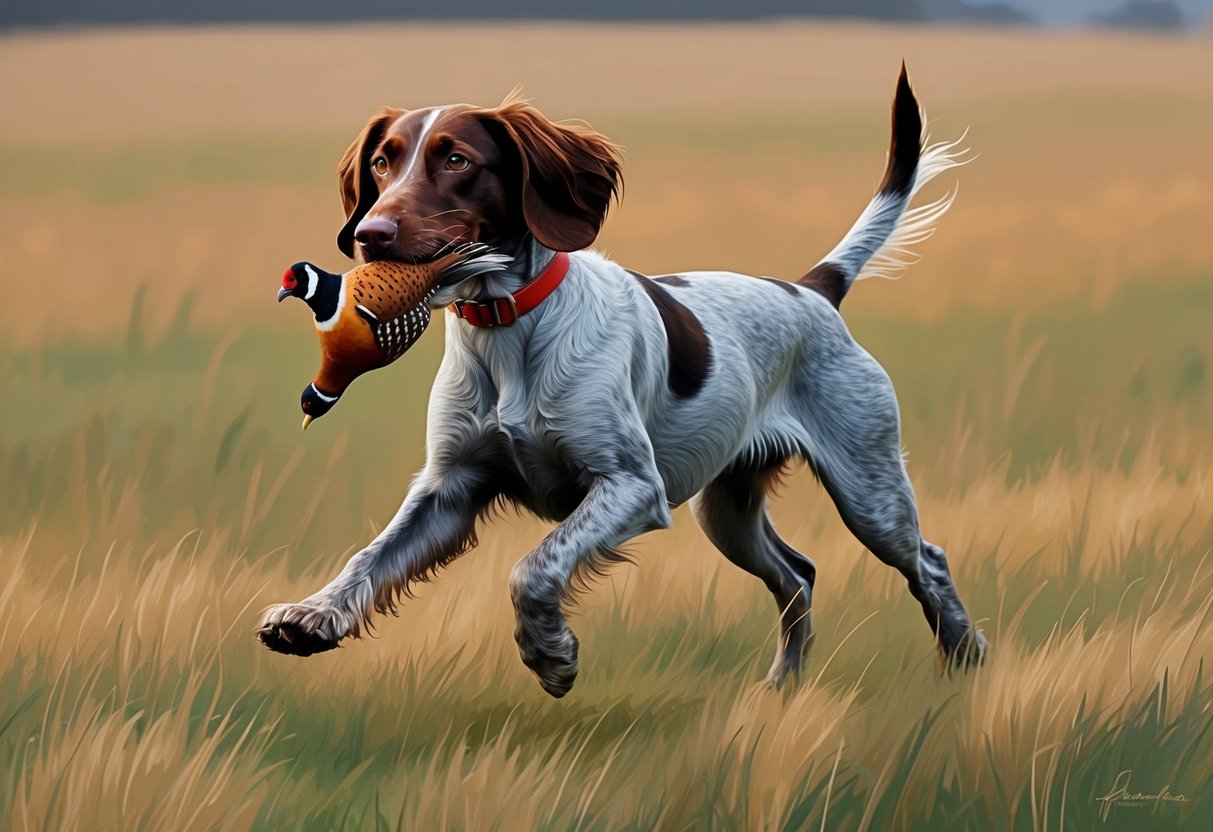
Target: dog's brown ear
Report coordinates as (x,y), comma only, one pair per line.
(567,176)
(354,177)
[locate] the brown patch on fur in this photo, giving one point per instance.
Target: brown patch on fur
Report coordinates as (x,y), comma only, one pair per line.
(827,280)
(790,288)
(673,280)
(690,352)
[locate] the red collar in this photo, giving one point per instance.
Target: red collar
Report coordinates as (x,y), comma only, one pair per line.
(504,311)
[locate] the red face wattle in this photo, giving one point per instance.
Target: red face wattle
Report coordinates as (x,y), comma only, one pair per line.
(290,284)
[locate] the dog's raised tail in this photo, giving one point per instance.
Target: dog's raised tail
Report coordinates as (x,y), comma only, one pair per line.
(879,243)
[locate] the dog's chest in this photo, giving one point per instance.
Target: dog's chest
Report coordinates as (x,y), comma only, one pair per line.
(544,480)
(543,473)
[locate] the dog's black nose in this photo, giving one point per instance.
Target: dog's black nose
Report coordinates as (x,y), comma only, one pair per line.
(375,231)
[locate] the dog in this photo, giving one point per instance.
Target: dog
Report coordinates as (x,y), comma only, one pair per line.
(618,396)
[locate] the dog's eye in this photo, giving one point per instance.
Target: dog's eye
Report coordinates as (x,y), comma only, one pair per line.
(457,161)
(379,166)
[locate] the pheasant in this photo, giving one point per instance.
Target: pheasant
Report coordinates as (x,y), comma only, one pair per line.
(369,316)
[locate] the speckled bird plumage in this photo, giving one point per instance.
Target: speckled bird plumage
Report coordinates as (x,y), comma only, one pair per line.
(371,315)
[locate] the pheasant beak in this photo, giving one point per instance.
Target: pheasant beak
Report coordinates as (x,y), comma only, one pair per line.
(307,420)
(283,294)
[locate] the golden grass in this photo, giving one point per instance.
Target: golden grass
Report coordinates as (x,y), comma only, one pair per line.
(1051,354)
(151,702)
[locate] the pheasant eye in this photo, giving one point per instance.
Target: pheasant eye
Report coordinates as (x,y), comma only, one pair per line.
(288,280)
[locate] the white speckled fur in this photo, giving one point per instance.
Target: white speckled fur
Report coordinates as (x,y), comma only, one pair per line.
(569,413)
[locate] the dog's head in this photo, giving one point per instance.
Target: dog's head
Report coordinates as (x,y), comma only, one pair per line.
(416,182)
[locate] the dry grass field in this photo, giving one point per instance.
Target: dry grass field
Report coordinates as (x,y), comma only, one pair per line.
(1052,354)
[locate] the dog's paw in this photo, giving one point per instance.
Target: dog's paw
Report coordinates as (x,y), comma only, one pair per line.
(970,652)
(554,664)
(300,629)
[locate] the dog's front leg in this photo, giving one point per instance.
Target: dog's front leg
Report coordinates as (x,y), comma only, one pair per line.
(617,508)
(435,524)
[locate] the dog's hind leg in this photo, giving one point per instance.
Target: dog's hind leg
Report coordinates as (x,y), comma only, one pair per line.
(851,418)
(731,510)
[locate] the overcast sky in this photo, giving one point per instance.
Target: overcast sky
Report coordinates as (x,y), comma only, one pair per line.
(1075,11)
(1049,12)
